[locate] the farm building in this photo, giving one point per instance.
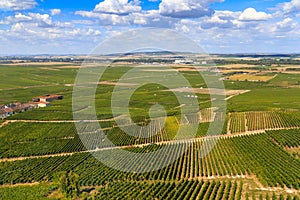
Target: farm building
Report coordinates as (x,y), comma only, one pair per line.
(39,104)
(43,104)
(18,107)
(9,111)
(47,98)
(3,114)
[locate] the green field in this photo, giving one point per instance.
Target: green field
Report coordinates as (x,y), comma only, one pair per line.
(252,157)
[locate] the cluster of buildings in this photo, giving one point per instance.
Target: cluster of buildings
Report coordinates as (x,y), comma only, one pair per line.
(37,102)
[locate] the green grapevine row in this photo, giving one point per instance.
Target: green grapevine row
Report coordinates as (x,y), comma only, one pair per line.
(286,138)
(239,156)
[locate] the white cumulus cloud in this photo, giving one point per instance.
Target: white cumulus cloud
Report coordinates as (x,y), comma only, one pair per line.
(119,7)
(43,20)
(250,14)
(17,4)
(55,12)
(186,8)
(216,21)
(290,7)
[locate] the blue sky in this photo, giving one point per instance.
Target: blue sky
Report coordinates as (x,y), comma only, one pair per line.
(219,26)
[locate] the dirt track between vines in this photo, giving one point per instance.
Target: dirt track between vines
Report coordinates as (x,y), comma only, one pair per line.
(131,146)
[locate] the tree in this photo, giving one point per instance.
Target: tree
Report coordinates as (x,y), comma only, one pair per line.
(68,184)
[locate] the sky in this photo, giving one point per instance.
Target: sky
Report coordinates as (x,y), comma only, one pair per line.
(219,26)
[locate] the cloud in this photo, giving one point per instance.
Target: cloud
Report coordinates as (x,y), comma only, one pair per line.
(217,31)
(250,14)
(18,27)
(152,18)
(18,18)
(216,21)
(118,7)
(55,12)
(186,8)
(286,24)
(289,7)
(17,4)
(227,14)
(42,20)
(149,18)
(286,27)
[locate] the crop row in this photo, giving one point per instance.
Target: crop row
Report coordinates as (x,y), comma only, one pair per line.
(286,138)
(194,189)
(252,121)
(28,139)
(239,156)
(237,122)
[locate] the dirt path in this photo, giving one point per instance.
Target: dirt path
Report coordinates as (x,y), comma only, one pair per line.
(128,146)
(246,122)
(4,123)
(28,87)
(58,121)
(20,184)
(242,92)
(53,121)
(228,124)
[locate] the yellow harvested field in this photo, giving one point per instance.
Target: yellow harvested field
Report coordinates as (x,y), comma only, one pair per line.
(193,69)
(250,77)
(210,91)
(183,69)
(232,66)
(38,63)
(237,70)
(158,70)
(116,83)
(49,68)
(69,67)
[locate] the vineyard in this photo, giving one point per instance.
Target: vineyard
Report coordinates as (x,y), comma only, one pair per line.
(38,139)
(44,138)
(253,121)
(286,138)
(237,122)
(40,191)
(184,189)
(218,189)
(256,157)
(240,156)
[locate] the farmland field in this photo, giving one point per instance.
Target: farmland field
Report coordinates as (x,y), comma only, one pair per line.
(255,152)
(249,77)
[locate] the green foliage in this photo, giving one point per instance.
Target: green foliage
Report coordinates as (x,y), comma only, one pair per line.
(261,120)
(274,196)
(286,138)
(233,156)
(69,184)
(34,192)
(28,139)
(265,99)
(184,189)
